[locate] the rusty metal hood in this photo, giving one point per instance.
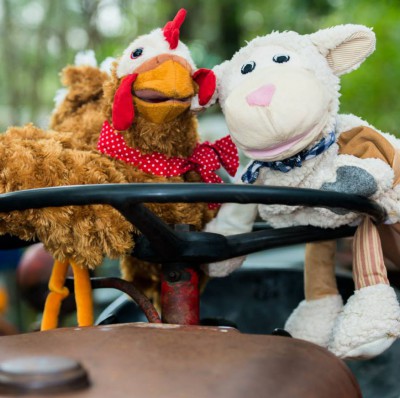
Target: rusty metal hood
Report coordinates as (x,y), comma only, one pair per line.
(154,361)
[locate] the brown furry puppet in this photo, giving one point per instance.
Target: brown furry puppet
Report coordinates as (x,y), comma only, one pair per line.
(148,100)
(79,106)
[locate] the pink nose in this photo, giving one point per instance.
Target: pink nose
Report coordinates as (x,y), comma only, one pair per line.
(262,96)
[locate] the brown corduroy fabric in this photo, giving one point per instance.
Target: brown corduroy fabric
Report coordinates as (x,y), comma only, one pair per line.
(362,142)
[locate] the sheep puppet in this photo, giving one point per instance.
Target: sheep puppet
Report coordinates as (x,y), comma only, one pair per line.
(280,97)
(146,106)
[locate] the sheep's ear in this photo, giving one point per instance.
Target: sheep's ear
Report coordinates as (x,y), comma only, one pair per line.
(345,46)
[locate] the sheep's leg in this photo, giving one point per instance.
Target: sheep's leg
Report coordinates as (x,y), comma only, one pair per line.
(368,263)
(83,295)
(370,321)
(58,292)
(314,317)
(319,270)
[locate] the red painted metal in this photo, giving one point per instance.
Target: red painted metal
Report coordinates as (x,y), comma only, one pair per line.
(180,302)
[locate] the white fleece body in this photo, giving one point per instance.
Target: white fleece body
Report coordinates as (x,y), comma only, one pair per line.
(313,174)
(323,169)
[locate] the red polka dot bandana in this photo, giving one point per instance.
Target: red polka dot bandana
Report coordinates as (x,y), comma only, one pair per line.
(205,159)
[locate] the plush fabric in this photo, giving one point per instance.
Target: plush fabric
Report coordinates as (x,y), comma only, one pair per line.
(171,29)
(319,256)
(68,155)
(206,81)
(365,142)
(368,262)
(368,324)
(123,110)
(324,311)
(301,110)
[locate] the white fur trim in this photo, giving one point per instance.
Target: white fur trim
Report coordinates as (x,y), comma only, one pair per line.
(59,97)
(313,320)
(86,57)
(195,106)
(368,325)
(107,64)
(153,44)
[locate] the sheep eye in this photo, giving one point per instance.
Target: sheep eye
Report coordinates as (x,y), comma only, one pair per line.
(280,59)
(137,53)
(247,68)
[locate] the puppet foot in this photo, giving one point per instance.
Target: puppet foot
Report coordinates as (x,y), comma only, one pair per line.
(368,325)
(313,320)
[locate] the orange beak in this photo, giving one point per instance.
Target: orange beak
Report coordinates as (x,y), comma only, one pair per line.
(164,88)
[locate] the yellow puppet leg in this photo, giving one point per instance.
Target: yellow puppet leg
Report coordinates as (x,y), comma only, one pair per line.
(83,295)
(58,292)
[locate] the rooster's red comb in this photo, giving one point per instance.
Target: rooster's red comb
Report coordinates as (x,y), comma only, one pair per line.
(171,29)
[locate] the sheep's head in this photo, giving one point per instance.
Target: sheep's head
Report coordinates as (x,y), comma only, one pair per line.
(159,78)
(280,93)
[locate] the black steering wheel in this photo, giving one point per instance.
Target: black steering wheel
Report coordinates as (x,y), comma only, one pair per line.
(161,243)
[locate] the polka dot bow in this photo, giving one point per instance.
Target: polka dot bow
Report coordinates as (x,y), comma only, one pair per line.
(205,159)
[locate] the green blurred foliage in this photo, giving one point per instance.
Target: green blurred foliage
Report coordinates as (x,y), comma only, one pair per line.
(372,92)
(39,37)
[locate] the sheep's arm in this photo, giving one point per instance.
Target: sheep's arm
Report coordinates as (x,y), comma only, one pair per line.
(232,219)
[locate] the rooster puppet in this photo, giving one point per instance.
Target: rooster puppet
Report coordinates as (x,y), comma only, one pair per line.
(148,134)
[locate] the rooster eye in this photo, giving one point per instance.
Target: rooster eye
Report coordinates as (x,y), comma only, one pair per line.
(280,59)
(247,68)
(137,53)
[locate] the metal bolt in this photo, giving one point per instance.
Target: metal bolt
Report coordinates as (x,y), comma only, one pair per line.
(174,276)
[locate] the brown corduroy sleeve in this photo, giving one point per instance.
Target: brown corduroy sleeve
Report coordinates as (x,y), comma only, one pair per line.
(364,142)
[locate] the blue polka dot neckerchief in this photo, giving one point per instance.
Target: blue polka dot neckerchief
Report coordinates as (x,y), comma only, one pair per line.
(252,172)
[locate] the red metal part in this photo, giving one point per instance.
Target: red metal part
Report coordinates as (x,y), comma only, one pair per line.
(180,302)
